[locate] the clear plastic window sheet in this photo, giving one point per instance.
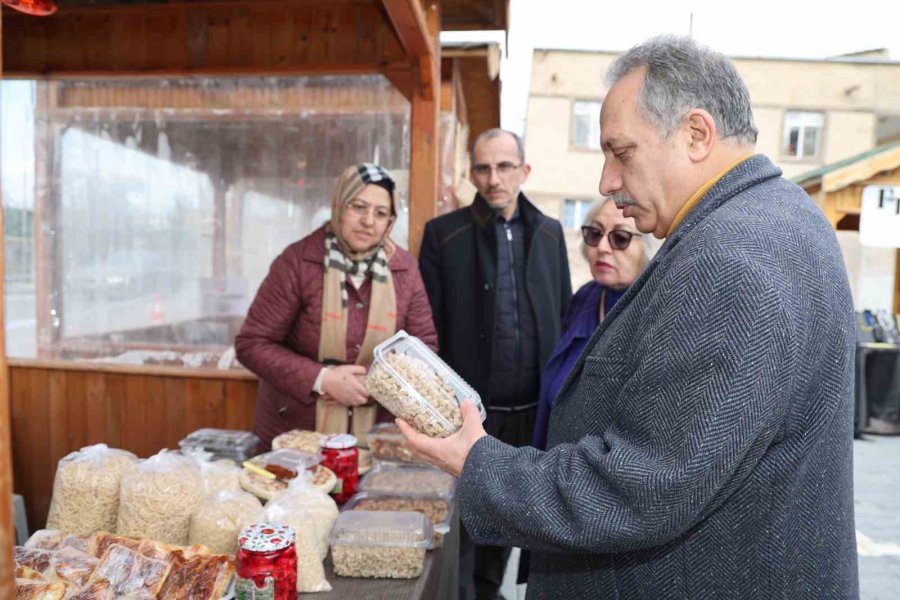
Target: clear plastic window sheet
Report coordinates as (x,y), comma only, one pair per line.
(142,215)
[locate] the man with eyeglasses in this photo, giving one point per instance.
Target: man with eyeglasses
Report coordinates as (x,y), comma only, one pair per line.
(497,277)
(702,444)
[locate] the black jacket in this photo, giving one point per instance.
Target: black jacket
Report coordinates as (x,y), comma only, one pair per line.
(458,261)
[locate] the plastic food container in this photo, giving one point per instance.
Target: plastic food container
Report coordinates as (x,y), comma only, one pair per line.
(413,383)
(387,444)
(380,544)
(438,509)
(287,462)
(410,480)
(223,443)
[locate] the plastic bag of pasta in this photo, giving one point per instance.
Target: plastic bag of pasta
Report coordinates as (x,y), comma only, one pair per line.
(158,498)
(218,475)
(302,494)
(220,518)
(86,490)
(310,573)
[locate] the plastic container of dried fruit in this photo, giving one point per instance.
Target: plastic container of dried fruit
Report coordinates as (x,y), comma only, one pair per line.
(223,443)
(430,506)
(380,544)
(287,459)
(411,480)
(410,398)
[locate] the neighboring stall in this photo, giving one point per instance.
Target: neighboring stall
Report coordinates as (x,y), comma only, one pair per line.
(252,107)
(860,196)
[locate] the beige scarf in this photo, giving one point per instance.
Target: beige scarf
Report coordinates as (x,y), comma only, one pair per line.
(340,261)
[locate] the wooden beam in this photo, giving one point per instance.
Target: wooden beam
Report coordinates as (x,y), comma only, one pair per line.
(7,531)
(410,23)
(220,38)
(861,170)
(424,167)
(897,283)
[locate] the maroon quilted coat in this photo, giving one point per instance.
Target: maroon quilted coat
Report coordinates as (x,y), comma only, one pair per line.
(279,340)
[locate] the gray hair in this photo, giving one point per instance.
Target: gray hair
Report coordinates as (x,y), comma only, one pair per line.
(497,132)
(650,243)
(682,75)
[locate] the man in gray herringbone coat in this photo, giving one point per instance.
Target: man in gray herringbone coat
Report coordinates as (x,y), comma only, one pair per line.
(702,445)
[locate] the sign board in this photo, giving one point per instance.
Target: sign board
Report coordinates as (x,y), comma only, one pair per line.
(879,216)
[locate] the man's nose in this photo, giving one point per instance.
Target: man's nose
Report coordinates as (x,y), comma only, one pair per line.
(610,179)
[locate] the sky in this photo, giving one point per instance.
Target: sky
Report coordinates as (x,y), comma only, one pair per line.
(785,28)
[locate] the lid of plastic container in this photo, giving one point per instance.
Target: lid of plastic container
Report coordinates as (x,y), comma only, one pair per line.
(339,441)
(266,537)
(412,480)
(375,501)
(220,439)
(382,528)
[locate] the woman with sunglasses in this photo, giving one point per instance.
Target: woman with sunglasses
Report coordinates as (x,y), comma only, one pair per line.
(617,254)
(327,301)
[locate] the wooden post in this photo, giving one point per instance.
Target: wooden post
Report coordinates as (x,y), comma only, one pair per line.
(425,146)
(897,283)
(7,531)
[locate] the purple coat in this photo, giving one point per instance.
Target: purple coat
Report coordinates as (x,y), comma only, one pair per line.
(279,340)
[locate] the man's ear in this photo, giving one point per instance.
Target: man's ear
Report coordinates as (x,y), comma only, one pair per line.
(701,130)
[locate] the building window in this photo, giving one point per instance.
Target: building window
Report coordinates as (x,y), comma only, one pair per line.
(586,125)
(574,212)
(802,134)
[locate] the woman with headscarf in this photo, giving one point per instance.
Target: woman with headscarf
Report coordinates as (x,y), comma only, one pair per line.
(327,301)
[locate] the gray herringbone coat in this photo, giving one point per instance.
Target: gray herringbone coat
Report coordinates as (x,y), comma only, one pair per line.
(702,446)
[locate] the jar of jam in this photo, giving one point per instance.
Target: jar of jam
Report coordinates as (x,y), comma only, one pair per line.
(266,565)
(341,456)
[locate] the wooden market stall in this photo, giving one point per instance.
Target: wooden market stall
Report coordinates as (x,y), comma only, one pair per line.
(838,188)
(58,405)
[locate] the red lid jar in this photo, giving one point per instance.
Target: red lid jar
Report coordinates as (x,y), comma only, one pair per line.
(266,565)
(341,456)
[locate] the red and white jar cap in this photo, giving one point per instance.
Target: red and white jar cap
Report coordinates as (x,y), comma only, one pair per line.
(266,537)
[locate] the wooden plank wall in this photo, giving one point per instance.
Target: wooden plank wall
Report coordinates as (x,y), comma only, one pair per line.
(349,36)
(56,410)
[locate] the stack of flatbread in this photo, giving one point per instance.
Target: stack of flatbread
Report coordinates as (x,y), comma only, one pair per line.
(51,566)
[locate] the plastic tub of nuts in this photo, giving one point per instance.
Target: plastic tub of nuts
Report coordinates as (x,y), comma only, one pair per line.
(436,508)
(409,480)
(413,383)
(386,545)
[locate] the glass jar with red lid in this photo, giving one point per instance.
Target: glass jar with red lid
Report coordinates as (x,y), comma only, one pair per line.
(341,456)
(266,565)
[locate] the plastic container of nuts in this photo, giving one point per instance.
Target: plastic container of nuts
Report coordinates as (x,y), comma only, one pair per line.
(385,545)
(437,508)
(414,384)
(409,480)
(388,444)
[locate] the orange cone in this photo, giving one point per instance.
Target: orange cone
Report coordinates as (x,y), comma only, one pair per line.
(156,315)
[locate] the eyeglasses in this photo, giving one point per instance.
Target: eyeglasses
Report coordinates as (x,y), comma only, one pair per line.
(619,239)
(504,169)
(360,209)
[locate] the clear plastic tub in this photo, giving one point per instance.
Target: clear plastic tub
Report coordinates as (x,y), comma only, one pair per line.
(388,444)
(223,443)
(380,544)
(409,480)
(287,463)
(413,383)
(438,509)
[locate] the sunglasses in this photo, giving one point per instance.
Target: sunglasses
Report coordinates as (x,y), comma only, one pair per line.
(618,238)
